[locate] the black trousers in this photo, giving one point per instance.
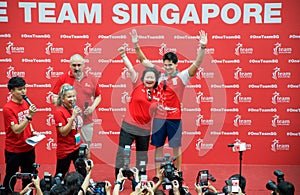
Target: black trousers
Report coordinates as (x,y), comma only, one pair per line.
(63,165)
(142,144)
(14,161)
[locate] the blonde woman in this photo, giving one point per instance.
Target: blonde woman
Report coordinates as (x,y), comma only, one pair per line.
(68,123)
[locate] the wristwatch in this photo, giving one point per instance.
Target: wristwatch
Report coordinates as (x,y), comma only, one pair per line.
(118,182)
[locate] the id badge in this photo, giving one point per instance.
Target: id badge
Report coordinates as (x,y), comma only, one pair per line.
(77,138)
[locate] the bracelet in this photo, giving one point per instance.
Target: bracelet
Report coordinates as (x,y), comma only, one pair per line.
(28,118)
(118,182)
(203,46)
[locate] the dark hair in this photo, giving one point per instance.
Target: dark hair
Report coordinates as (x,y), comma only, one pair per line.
(159,192)
(73,178)
(243,181)
(156,74)
(286,188)
(15,82)
(171,57)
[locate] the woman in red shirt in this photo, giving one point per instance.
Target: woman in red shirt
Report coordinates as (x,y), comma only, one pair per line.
(68,123)
(136,125)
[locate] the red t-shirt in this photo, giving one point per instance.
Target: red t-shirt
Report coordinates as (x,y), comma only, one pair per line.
(66,144)
(170,100)
(86,90)
(140,109)
(14,113)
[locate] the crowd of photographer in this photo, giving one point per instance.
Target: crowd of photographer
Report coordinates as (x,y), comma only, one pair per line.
(170,181)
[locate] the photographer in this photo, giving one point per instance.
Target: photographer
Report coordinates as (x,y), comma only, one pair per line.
(34,184)
(240,189)
(211,189)
(118,183)
(285,188)
(75,183)
(143,189)
(282,187)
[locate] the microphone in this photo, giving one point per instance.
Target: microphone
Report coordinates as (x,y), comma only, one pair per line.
(86,104)
(73,104)
(27,99)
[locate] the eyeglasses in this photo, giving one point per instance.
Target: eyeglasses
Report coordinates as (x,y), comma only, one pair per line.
(74,65)
(67,88)
(149,95)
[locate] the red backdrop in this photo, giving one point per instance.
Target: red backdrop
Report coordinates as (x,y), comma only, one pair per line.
(248,87)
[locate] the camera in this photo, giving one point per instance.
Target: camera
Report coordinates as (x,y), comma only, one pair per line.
(35,167)
(271,185)
(49,182)
(238,146)
(203,177)
(232,185)
(126,162)
(169,172)
(168,166)
(25,175)
(98,188)
(80,163)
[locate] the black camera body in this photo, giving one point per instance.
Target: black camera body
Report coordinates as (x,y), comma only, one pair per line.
(49,182)
(80,163)
(169,172)
(29,175)
(271,185)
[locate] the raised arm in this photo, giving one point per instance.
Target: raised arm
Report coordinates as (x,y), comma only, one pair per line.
(138,51)
(202,44)
(132,72)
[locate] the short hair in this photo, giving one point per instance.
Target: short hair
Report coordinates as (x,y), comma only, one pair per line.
(15,82)
(76,57)
(171,57)
(286,188)
(242,180)
(156,74)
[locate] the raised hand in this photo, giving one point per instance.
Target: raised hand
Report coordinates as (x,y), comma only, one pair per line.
(203,38)
(134,36)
